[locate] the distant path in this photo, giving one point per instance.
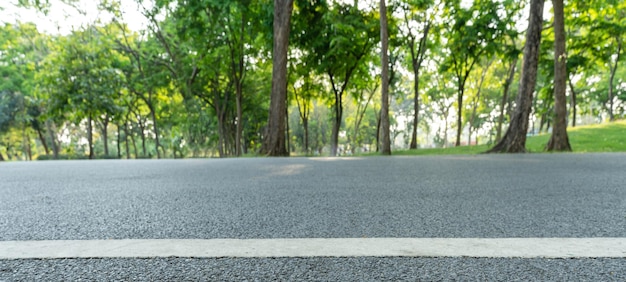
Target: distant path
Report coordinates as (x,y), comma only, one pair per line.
(487,196)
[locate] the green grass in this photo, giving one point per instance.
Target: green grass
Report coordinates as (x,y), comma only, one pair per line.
(606,137)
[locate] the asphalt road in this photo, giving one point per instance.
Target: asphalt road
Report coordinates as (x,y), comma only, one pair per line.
(485,196)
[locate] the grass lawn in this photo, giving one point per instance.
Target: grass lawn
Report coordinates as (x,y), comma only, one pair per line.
(606,137)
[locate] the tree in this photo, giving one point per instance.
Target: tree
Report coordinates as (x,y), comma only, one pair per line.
(606,21)
(275,143)
(384,63)
(336,41)
(474,33)
(514,141)
(84,78)
(418,15)
(559,140)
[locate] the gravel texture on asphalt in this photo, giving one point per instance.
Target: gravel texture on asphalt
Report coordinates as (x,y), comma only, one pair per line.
(484,196)
(314,269)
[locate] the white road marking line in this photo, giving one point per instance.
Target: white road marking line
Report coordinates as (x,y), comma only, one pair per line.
(319,247)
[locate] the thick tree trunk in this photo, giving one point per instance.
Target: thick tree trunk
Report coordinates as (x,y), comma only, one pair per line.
(384,59)
(275,144)
(559,140)
(514,141)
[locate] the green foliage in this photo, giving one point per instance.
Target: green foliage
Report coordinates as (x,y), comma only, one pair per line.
(174,88)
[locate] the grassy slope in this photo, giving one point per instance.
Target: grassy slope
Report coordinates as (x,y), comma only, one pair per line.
(607,137)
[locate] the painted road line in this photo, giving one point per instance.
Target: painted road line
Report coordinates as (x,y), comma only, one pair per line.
(319,247)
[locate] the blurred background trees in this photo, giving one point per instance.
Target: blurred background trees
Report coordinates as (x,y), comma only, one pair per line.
(158,79)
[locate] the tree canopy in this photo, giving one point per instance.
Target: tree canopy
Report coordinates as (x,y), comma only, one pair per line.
(196,79)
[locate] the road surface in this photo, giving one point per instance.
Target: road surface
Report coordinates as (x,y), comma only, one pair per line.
(170,209)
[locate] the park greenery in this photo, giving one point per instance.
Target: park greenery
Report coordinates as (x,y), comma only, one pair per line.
(196,80)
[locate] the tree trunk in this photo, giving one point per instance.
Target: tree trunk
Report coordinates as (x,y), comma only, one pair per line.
(43,141)
(305,124)
(334,137)
(119,141)
(52,133)
(384,62)
(132,139)
(142,129)
(275,144)
(459,121)
(288,145)
(239,125)
(514,141)
(416,107)
(613,68)
(417,60)
(378,131)
(505,97)
(303,112)
(126,140)
(239,89)
(573,102)
(559,140)
(28,152)
(90,137)
(105,135)
(156,130)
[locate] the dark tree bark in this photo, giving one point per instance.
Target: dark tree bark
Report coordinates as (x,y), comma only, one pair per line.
(559,140)
(514,141)
(384,59)
(275,143)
